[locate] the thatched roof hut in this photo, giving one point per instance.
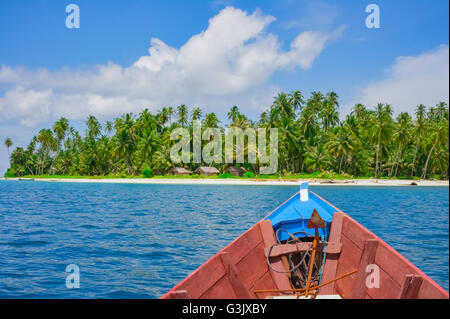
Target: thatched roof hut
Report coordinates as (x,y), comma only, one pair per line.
(180,171)
(235,171)
(207,171)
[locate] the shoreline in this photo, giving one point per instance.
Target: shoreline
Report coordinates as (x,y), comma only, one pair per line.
(256,182)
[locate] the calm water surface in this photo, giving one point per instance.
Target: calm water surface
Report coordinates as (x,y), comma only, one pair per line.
(137,241)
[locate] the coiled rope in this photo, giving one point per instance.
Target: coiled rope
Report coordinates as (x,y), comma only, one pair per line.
(294,239)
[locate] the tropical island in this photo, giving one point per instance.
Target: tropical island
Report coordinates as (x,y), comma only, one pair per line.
(314,143)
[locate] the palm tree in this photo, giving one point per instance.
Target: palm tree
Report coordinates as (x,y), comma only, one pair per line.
(308,123)
(274,117)
(109,126)
(170,113)
(283,103)
(315,158)
(48,143)
(340,145)
(296,100)
(182,113)
(161,159)
(439,136)
(60,128)
(148,144)
(328,111)
(94,127)
(419,130)
(290,144)
(233,114)
(196,113)
(8,143)
(381,130)
(401,137)
(163,116)
(310,140)
(126,139)
(315,102)
(263,119)
(241,122)
(211,120)
(440,111)
(146,119)
(359,110)
(440,161)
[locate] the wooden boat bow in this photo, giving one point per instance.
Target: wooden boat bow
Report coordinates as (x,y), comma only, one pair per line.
(241,269)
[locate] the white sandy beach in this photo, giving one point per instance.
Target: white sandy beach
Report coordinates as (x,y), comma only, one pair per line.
(219,181)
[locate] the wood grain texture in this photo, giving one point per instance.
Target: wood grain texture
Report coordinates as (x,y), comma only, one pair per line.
(179,294)
(222,289)
(410,287)
(281,280)
(368,257)
(284,249)
(236,280)
(331,261)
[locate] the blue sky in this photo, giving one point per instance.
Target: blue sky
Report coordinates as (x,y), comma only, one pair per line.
(104,68)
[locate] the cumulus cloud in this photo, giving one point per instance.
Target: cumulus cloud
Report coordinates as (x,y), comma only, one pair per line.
(228,63)
(412,80)
(315,14)
(29,106)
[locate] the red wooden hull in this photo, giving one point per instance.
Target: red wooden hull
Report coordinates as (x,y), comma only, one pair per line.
(240,269)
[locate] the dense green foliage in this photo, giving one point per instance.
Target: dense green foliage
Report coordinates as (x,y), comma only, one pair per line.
(147,172)
(312,138)
(226,175)
(248,175)
(9,173)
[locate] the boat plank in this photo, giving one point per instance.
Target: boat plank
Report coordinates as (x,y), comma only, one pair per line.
(179,294)
(265,282)
(393,264)
(348,261)
(245,244)
(344,286)
(253,266)
(207,275)
(280,280)
(284,249)
(355,232)
(331,263)
(430,290)
(236,279)
(410,287)
(367,258)
(388,289)
(350,254)
(222,289)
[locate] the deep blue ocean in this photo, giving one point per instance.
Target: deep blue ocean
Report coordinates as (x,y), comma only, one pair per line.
(138,241)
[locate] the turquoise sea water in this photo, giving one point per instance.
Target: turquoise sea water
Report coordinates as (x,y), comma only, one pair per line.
(137,241)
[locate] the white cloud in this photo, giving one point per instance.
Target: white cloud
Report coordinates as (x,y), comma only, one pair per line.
(315,14)
(308,45)
(412,80)
(29,106)
(228,63)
